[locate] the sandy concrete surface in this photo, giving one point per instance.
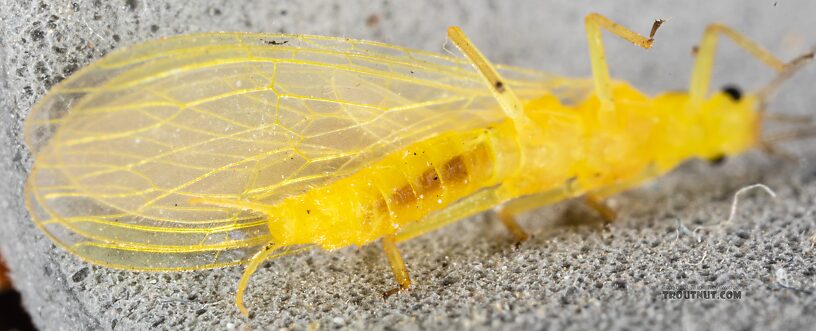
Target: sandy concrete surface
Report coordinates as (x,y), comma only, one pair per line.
(574,273)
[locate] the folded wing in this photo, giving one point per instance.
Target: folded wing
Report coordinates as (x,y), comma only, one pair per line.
(123,144)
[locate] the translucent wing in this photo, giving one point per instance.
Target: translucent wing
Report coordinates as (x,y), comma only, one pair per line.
(123,144)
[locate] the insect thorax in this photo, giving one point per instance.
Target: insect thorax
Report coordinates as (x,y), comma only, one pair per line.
(644,135)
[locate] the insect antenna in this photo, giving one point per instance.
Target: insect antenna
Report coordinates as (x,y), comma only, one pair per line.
(769,143)
(773,149)
(792,67)
(795,134)
(792,134)
(788,118)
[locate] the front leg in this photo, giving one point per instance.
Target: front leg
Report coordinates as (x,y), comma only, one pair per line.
(701,76)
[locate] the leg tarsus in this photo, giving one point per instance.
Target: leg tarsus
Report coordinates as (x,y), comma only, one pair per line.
(387,294)
(397,266)
(607,213)
(656,25)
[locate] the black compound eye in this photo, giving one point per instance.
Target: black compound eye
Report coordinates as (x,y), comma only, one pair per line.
(718,160)
(734,92)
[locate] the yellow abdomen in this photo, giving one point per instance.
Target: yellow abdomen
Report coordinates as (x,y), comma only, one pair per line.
(399,189)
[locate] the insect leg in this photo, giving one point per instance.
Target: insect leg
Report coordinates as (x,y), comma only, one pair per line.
(596,202)
(509,221)
(701,74)
(397,265)
(595,199)
(600,72)
(504,95)
(510,209)
(248,271)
